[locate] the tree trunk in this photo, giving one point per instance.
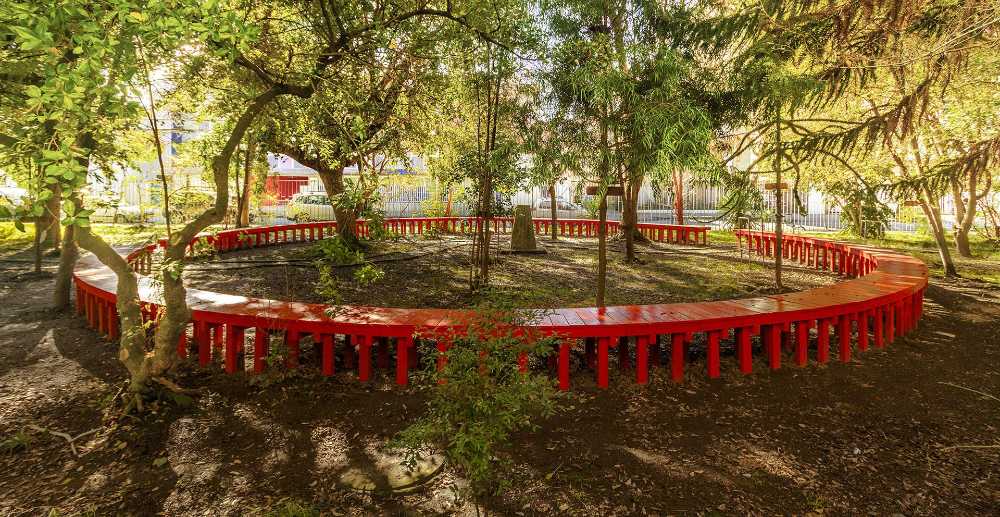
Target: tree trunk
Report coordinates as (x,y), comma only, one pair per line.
(132,343)
(679,195)
(64,276)
(962,242)
(243,208)
(965,210)
(630,216)
(51,217)
(40,223)
(553,212)
(347,218)
(602,250)
(779,211)
(933,213)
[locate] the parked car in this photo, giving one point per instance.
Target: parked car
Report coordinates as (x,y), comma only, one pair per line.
(122,214)
(304,207)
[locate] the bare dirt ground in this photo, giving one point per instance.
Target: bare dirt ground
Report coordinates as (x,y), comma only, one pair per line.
(892,432)
(434,273)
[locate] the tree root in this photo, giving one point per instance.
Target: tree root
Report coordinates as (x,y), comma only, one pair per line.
(172,386)
(66,436)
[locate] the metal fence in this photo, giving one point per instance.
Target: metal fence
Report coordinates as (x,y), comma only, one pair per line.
(422,196)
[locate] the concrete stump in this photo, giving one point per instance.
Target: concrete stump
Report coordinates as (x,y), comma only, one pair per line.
(522,235)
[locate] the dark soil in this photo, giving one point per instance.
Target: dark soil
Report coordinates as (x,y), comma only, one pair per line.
(434,273)
(892,432)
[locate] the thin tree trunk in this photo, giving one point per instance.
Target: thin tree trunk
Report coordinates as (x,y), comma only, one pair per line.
(40,223)
(933,214)
(51,218)
(176,313)
(602,250)
(779,216)
(553,212)
(132,343)
(243,219)
(347,218)
(630,216)
(602,217)
(678,176)
(64,276)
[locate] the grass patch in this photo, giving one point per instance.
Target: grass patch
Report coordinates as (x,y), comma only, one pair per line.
(124,234)
(984,265)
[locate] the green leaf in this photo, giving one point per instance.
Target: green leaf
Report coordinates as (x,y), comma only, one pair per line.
(52,155)
(19,225)
(159,462)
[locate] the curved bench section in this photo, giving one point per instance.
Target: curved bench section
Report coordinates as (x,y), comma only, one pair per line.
(882,300)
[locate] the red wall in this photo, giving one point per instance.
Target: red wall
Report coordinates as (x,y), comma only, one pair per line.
(282,188)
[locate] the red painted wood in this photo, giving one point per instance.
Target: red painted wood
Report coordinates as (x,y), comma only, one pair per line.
(888,287)
(642,359)
(564,348)
(234,337)
(713,354)
(802,343)
(677,353)
(602,361)
(402,362)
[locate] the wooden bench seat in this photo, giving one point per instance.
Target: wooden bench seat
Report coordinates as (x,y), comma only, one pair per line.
(882,299)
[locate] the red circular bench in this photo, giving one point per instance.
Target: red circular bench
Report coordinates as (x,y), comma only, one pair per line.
(883,300)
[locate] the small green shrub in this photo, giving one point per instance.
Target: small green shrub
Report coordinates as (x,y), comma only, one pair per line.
(592,205)
(202,249)
(480,397)
(328,285)
(368,274)
(17,442)
(337,252)
(377,231)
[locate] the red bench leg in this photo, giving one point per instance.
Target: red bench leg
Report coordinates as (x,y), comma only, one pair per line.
(234,337)
(217,337)
(564,348)
(844,334)
(713,354)
(677,353)
(201,335)
(642,359)
(802,343)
